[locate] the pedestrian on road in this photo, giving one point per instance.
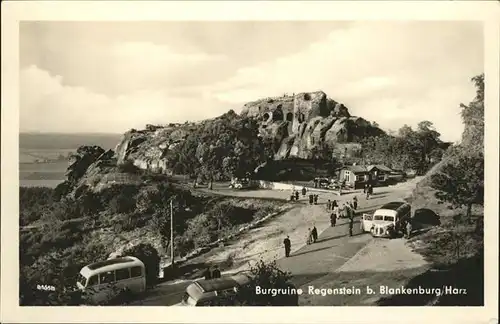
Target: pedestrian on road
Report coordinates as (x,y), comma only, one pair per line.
(408,229)
(304,191)
(216,273)
(368,192)
(355,202)
(334,204)
(311,199)
(315,199)
(328,205)
(288,245)
(352,211)
(314,234)
(345,211)
(365,188)
(351,224)
(333,219)
(309,236)
(296,195)
(207,274)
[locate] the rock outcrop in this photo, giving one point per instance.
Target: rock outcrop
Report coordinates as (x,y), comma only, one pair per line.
(303,122)
(297,124)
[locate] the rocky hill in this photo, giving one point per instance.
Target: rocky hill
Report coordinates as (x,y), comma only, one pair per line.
(298,125)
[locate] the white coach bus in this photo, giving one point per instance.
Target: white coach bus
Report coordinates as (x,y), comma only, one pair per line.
(99,279)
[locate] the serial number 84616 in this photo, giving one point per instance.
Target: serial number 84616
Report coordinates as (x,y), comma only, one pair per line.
(46,287)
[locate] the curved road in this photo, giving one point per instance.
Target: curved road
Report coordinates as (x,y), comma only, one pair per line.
(333,248)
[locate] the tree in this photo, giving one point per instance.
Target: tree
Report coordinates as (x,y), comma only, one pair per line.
(461,182)
(267,276)
(473,117)
(151,259)
(83,158)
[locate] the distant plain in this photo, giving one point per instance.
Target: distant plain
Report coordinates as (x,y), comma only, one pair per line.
(44,157)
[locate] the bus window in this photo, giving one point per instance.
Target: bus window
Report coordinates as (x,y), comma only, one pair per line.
(122,274)
(93,281)
(107,277)
(136,272)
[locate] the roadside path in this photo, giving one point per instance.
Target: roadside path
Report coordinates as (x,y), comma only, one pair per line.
(307,263)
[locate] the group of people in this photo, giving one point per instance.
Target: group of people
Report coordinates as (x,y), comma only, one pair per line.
(348,210)
(212,274)
(313,198)
(312,235)
(295,194)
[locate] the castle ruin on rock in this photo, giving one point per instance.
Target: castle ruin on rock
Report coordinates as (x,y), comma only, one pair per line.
(303,121)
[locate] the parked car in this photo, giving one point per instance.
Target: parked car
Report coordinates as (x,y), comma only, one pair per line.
(220,292)
(386,221)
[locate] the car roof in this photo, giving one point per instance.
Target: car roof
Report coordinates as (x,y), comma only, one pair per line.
(216,284)
(110,265)
(393,205)
(102,264)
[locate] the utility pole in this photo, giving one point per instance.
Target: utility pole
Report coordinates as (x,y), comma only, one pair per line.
(172,232)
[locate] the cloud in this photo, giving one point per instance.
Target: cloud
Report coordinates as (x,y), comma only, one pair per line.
(393,73)
(49,105)
(115,68)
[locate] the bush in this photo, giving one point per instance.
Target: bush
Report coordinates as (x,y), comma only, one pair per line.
(123,203)
(33,203)
(267,276)
(149,256)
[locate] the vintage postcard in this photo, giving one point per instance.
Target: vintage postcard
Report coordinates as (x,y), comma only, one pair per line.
(159,156)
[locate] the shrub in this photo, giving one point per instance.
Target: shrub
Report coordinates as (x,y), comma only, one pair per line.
(266,276)
(149,256)
(123,203)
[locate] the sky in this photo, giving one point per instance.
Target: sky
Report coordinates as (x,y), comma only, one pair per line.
(113,76)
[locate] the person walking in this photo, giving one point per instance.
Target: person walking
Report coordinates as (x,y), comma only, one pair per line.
(334,204)
(355,202)
(348,209)
(328,205)
(314,234)
(311,199)
(315,199)
(408,229)
(333,219)
(207,274)
(353,211)
(351,224)
(367,192)
(297,195)
(216,273)
(304,191)
(345,212)
(288,245)
(309,236)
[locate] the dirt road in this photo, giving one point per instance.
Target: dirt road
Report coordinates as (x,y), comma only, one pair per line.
(310,264)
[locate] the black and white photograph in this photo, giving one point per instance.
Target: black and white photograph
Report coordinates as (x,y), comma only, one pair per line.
(187,163)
